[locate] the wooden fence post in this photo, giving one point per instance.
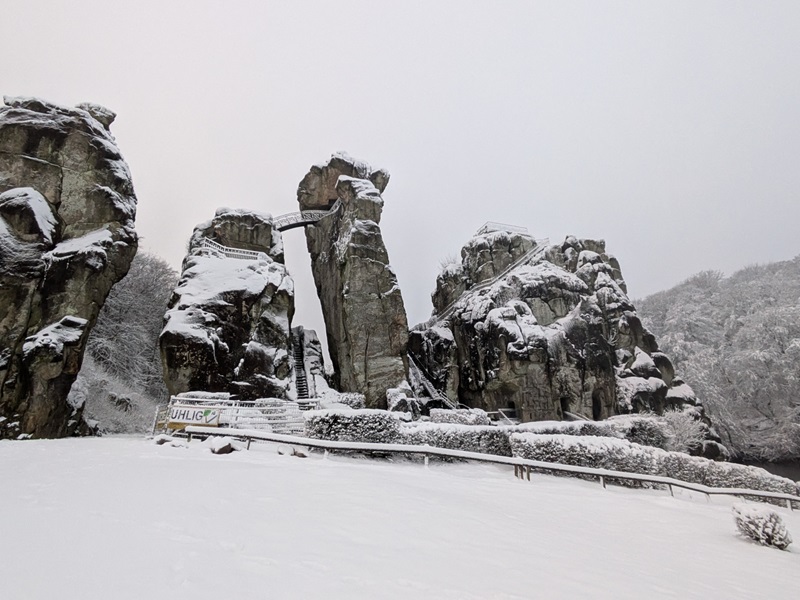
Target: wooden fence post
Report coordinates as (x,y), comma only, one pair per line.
(603,481)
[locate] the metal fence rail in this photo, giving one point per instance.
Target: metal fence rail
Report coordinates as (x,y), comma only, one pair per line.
(522,466)
(231,252)
(266,415)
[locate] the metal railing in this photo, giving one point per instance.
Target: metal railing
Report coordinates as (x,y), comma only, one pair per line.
(491,226)
(522,466)
(298,219)
(269,414)
(231,252)
(429,387)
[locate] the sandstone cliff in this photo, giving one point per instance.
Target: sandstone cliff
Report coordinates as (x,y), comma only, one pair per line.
(67,209)
(228,324)
(365,318)
(555,334)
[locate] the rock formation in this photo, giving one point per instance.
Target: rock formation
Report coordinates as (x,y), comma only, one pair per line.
(555,334)
(365,318)
(67,209)
(228,324)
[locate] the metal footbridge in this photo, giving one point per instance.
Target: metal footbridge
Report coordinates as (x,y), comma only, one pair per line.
(299,219)
(281,223)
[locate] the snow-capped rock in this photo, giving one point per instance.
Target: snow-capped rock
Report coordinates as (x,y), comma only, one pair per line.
(227,327)
(361,302)
(555,334)
(67,209)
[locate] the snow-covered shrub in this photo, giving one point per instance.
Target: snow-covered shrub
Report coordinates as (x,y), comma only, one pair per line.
(647,430)
(622,455)
(595,428)
(685,468)
(595,452)
(471,416)
(685,432)
(346,425)
(352,399)
(470,438)
(761,525)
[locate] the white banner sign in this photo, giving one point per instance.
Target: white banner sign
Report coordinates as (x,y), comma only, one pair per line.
(180,416)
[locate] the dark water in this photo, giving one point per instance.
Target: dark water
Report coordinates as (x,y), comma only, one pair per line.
(791,470)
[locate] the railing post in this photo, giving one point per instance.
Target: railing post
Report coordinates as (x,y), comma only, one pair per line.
(669,485)
(789,504)
(249,439)
(528,469)
(603,481)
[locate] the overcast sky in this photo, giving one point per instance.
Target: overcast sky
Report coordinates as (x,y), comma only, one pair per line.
(669,129)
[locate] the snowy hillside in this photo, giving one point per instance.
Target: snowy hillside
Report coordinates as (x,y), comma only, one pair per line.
(737,340)
(123,518)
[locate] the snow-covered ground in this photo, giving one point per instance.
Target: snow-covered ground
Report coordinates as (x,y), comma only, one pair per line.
(119,518)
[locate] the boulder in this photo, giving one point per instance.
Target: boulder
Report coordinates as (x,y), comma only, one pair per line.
(227,326)
(67,210)
(365,318)
(553,337)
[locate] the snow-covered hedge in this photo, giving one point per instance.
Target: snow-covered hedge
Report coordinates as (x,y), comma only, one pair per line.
(346,425)
(472,416)
(621,455)
(645,430)
(471,438)
(352,399)
(595,428)
(587,451)
(761,525)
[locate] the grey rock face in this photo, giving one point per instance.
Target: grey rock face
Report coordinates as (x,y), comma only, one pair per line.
(365,319)
(67,210)
(554,336)
(227,327)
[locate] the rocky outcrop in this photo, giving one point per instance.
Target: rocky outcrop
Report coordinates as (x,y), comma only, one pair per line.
(365,318)
(67,209)
(228,323)
(555,335)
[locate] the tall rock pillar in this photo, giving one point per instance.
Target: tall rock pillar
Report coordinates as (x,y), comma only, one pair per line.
(365,318)
(67,211)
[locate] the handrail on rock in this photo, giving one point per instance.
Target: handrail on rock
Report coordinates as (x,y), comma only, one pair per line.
(539,248)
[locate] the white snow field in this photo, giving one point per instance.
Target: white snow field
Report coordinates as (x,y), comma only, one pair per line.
(121,517)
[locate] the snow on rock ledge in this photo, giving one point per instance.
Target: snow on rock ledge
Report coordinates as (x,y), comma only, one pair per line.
(67,209)
(227,328)
(554,335)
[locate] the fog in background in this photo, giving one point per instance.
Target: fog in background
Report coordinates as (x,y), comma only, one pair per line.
(669,129)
